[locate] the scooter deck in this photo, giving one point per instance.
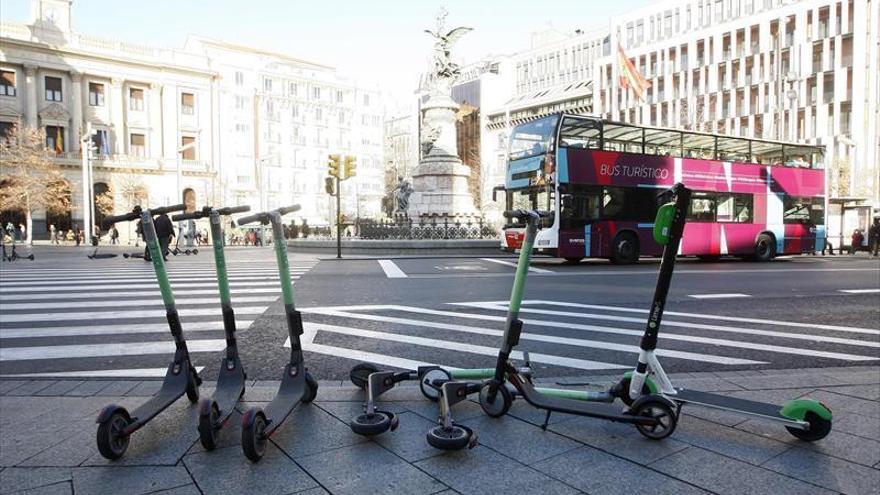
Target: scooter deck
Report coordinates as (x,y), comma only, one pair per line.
(290,392)
(578,407)
(173,387)
(718,401)
(230,386)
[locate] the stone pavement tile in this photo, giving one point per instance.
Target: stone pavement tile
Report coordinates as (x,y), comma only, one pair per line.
(162,441)
(7,385)
(856,424)
(520,440)
(262,392)
(408,441)
(70,451)
(180,490)
(60,387)
(367,468)
(130,480)
(17,479)
(619,439)
(63,488)
(344,411)
(117,388)
(482,470)
(726,476)
(145,388)
(526,412)
(463,411)
(786,380)
(227,470)
(854,376)
(845,446)
(834,474)
(31,387)
(839,403)
(867,392)
(594,471)
(728,441)
(88,388)
(310,430)
(343,394)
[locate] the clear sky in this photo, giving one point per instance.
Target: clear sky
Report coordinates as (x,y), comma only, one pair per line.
(376,41)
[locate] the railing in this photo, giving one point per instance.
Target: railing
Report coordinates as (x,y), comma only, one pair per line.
(427,227)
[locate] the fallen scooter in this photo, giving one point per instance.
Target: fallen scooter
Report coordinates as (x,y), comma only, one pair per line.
(214,412)
(297,385)
(806,419)
(115,423)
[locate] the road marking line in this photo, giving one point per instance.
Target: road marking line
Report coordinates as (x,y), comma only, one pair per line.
(370,357)
(181,301)
(105,350)
(510,263)
(49,282)
(550,339)
(118,373)
(145,285)
(116,315)
(462,347)
(503,304)
(202,326)
(621,331)
(391,269)
(49,297)
(860,291)
(718,296)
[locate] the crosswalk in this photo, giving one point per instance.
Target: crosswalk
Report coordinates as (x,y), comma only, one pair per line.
(568,338)
(108,320)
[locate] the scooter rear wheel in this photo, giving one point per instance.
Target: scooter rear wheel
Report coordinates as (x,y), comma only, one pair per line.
(501,404)
(456,437)
(111,444)
(253,439)
(372,424)
(661,411)
(360,374)
(819,428)
(207,431)
(428,378)
(311,388)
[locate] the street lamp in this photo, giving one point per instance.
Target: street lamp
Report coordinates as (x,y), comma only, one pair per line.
(180,152)
(86,145)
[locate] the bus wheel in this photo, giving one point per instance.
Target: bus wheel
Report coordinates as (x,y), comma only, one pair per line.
(625,249)
(572,260)
(765,248)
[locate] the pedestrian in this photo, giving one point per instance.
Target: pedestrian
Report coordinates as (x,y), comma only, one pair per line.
(164,231)
(874,237)
(70,236)
(79,237)
(96,235)
(305,229)
(52,232)
(258,237)
(114,235)
(24,232)
(856,241)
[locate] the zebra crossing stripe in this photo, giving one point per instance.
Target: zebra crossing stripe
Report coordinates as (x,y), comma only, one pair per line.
(145,285)
(105,350)
(117,373)
(117,315)
(621,331)
(51,282)
(593,344)
(463,347)
(50,297)
(511,264)
(72,331)
(181,301)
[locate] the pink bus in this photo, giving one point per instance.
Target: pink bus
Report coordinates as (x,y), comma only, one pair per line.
(752,198)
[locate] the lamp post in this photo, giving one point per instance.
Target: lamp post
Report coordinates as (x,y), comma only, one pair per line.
(85,151)
(180,152)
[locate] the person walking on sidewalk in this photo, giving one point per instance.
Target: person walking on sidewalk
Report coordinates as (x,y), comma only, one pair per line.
(114,235)
(874,237)
(52,238)
(856,242)
(24,233)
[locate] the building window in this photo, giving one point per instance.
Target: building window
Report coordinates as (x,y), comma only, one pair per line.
(190,152)
(640,31)
(319,115)
(316,93)
(137,146)
(187,103)
(339,97)
(267,84)
(55,138)
(366,100)
(7,83)
(239,78)
(53,88)
(136,99)
(7,132)
(239,102)
(101,142)
(293,89)
(96,94)
(342,117)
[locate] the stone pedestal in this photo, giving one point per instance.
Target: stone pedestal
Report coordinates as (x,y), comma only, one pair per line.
(440,181)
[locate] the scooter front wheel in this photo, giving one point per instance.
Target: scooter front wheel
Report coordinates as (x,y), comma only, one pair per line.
(428,383)
(819,428)
(501,404)
(663,414)
(360,374)
(456,437)
(253,438)
(373,424)
(207,430)
(111,443)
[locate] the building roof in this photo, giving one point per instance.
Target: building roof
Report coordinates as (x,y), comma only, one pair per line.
(259,51)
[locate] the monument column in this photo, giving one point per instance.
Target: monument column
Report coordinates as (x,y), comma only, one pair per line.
(30,84)
(76,111)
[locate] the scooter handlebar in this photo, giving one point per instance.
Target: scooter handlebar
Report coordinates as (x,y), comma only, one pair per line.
(252,218)
(230,210)
(206,211)
(167,209)
(126,217)
(187,216)
(527,214)
(288,209)
(263,217)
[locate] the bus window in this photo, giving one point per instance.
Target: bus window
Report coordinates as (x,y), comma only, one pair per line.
(733,150)
(798,156)
(698,146)
(580,133)
(662,142)
(532,138)
(625,138)
(630,204)
(534,198)
(734,208)
(817,158)
(803,210)
(702,208)
(579,206)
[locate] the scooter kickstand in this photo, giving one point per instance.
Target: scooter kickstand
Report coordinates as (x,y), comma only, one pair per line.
(546,420)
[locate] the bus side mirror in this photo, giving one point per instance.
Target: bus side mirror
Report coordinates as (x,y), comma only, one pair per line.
(495,193)
(663,223)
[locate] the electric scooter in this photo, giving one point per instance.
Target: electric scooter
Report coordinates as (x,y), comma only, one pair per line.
(653,415)
(115,423)
(214,412)
(806,419)
(297,385)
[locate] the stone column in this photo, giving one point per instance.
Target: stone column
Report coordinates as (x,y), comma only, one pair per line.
(30,108)
(76,111)
(155,145)
(117,115)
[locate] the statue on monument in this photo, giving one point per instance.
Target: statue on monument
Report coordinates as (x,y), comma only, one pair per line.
(401,196)
(445,71)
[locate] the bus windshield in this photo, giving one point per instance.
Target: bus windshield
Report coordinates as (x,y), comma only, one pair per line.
(532,138)
(531,198)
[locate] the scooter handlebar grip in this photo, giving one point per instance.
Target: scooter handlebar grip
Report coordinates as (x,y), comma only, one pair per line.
(127,217)
(230,210)
(288,209)
(515,213)
(251,218)
(167,209)
(187,216)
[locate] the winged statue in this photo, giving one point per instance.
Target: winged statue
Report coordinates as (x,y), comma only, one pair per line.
(444,67)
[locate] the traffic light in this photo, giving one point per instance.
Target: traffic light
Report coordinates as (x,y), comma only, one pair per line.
(329,187)
(350,166)
(333,165)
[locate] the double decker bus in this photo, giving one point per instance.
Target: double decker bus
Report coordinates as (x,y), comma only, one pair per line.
(752,198)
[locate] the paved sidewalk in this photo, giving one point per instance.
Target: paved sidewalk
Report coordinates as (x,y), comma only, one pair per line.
(47,437)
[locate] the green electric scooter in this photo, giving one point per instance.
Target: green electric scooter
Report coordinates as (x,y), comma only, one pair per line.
(116,423)
(806,419)
(297,385)
(214,412)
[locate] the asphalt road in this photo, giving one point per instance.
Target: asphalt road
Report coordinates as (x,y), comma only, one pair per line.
(66,315)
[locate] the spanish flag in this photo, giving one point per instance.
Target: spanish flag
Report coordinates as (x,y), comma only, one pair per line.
(629,76)
(59,141)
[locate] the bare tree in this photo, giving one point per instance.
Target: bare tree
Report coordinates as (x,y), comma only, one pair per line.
(32,181)
(132,190)
(104,202)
